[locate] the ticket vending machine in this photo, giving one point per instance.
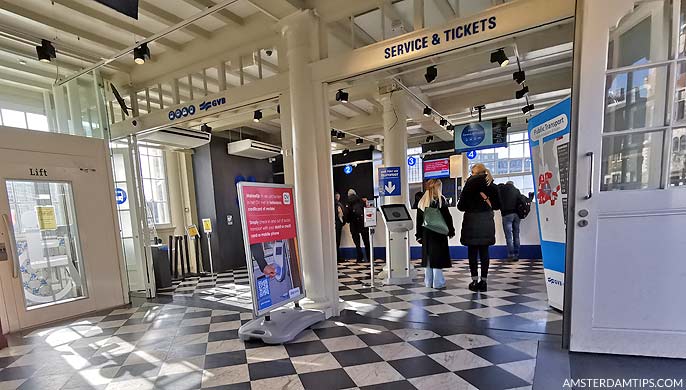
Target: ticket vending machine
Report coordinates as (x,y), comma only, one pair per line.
(398,225)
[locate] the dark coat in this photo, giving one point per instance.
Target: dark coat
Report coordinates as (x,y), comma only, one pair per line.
(478,226)
(354,212)
(435,251)
(509,194)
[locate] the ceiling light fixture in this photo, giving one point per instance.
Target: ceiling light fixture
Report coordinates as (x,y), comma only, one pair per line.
(334,132)
(500,57)
(431,74)
(346,152)
(141,54)
(519,76)
(341,96)
(257,115)
(340,135)
(427,111)
(359,141)
(443,122)
(429,138)
(527,108)
(450,128)
(205,128)
(522,92)
(46,51)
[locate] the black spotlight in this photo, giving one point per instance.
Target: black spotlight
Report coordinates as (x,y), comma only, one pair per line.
(527,108)
(341,96)
(141,53)
(519,76)
(429,138)
(205,129)
(278,109)
(372,147)
(257,115)
(443,122)
(346,152)
(334,133)
(431,74)
(450,127)
(522,92)
(46,51)
(340,135)
(500,57)
(359,141)
(427,111)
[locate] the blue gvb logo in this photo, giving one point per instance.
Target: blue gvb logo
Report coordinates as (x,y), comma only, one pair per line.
(181,112)
(206,105)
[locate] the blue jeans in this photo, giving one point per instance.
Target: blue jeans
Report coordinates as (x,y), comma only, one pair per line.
(511,228)
(434,278)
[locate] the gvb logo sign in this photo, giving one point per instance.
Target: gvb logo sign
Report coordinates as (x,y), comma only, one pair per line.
(204,106)
(181,112)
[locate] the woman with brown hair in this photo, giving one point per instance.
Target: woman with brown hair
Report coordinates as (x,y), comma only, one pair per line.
(478,199)
(434,226)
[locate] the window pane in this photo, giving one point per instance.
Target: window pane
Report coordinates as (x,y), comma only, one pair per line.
(157,168)
(631,162)
(119,170)
(159,191)
(37,122)
(145,167)
(147,189)
(635,99)
(12,118)
(642,36)
(680,93)
(677,170)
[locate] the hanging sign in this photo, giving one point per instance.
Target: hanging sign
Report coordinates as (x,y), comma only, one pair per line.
(271,244)
(471,154)
(207,225)
(549,142)
(46,217)
(389,181)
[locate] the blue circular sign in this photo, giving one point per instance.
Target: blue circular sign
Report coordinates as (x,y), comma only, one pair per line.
(348,169)
(120,195)
(411,161)
(473,134)
(471,154)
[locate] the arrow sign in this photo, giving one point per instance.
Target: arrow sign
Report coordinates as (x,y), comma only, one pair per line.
(389,181)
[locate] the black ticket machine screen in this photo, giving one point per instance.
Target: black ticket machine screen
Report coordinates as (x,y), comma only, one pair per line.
(395,212)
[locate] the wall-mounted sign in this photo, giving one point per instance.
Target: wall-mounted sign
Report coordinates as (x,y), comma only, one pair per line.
(389,181)
(411,161)
(38,172)
(120,195)
(471,154)
(190,110)
(348,169)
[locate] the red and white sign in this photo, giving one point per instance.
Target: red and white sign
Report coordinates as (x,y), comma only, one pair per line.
(269,213)
(435,169)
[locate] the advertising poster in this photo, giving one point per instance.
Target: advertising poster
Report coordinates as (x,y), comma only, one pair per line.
(436,169)
(549,142)
(271,244)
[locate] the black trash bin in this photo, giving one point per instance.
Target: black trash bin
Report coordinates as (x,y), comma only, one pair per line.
(160,262)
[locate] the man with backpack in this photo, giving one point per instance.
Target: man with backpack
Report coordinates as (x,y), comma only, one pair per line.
(355,218)
(513,207)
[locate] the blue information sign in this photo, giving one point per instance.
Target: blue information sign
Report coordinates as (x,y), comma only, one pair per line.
(411,161)
(348,169)
(471,154)
(120,195)
(389,181)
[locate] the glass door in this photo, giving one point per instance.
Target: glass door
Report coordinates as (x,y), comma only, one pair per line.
(44,231)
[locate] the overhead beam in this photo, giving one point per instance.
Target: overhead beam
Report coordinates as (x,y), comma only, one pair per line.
(392,14)
(59,25)
(23,81)
(446,9)
(114,22)
(27,70)
(165,17)
(224,15)
(275,9)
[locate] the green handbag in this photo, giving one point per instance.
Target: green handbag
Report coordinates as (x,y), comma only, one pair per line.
(433,220)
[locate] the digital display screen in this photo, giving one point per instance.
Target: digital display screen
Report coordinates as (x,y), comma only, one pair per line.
(395,212)
(481,135)
(437,169)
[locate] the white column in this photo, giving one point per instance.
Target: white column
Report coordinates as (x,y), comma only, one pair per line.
(49,112)
(399,269)
(287,138)
(312,164)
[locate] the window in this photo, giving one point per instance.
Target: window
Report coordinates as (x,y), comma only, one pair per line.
(511,163)
(154,177)
(23,120)
(13,118)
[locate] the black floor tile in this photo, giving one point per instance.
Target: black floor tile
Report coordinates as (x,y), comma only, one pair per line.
(468,305)
(516,309)
(435,345)
(334,331)
(187,351)
(492,378)
(198,314)
(235,386)
(225,359)
(117,317)
(271,369)
(380,338)
(186,330)
(225,318)
(223,335)
(417,366)
(306,348)
(498,354)
(6,361)
(135,371)
(330,380)
(354,357)
(15,373)
(398,385)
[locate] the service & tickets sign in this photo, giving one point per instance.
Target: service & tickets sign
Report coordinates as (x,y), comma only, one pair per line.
(271,244)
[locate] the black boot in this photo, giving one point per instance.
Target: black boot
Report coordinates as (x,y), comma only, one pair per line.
(474,286)
(482,286)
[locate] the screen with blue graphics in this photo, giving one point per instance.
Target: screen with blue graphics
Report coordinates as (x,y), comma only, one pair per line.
(481,135)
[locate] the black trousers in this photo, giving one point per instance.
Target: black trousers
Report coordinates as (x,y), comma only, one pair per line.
(480,251)
(339,230)
(356,232)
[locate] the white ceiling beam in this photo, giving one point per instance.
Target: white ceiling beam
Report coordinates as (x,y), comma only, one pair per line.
(275,9)
(59,25)
(446,9)
(114,22)
(23,81)
(224,15)
(16,66)
(392,14)
(168,18)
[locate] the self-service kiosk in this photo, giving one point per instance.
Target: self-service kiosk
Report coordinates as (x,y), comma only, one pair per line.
(399,223)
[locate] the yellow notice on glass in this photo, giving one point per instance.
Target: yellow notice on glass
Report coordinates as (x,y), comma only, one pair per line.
(193,231)
(46,217)
(207,225)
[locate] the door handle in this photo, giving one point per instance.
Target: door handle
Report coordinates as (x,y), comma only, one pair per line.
(10,246)
(589,195)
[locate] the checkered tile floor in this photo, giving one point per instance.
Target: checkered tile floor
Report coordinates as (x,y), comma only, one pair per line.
(176,347)
(231,288)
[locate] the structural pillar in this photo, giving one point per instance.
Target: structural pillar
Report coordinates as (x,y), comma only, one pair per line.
(398,268)
(286,138)
(313,176)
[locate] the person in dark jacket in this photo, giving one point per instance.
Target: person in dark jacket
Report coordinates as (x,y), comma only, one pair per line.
(339,215)
(435,251)
(355,218)
(509,195)
(478,199)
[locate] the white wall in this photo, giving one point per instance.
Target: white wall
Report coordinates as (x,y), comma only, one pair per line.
(528,236)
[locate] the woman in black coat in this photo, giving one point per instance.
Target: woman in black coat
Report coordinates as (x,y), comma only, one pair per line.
(435,251)
(478,199)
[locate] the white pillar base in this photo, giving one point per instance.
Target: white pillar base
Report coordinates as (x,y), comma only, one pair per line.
(324,306)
